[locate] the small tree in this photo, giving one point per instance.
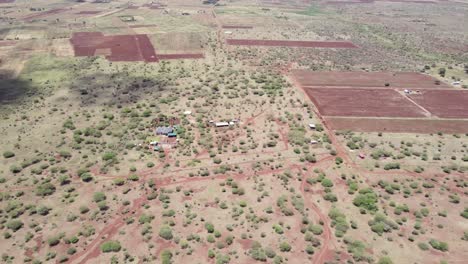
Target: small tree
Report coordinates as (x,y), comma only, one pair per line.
(165,232)
(111,246)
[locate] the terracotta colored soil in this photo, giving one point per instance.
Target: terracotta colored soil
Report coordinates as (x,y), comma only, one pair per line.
(88,12)
(398,125)
(405,80)
(122,47)
(291,43)
(372,1)
(44,14)
(236,27)
(142,26)
(444,103)
(362,103)
(7,43)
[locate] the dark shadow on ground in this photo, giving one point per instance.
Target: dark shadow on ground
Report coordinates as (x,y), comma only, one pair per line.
(115,89)
(13,89)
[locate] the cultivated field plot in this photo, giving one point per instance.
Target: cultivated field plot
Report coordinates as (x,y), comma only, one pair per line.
(410,125)
(367,101)
(362,102)
(368,79)
(291,43)
(122,47)
(444,103)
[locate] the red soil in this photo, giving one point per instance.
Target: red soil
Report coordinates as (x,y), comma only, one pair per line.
(122,47)
(291,43)
(444,103)
(88,12)
(372,1)
(44,14)
(367,79)
(236,27)
(142,26)
(362,103)
(398,125)
(7,43)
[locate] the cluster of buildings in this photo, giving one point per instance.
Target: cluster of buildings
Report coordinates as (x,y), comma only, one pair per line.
(224,123)
(166,137)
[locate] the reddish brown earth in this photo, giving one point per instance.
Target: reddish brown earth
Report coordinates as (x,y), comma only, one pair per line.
(362,103)
(7,43)
(122,47)
(444,103)
(372,1)
(88,12)
(142,26)
(398,125)
(236,27)
(405,80)
(44,14)
(291,43)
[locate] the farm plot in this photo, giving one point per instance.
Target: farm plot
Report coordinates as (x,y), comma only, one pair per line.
(122,47)
(86,12)
(362,103)
(444,103)
(366,101)
(236,27)
(411,125)
(291,43)
(7,43)
(44,14)
(405,80)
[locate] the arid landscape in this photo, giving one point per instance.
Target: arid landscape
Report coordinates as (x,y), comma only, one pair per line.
(213,131)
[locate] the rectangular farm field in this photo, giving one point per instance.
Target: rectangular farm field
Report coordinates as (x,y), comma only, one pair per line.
(444,103)
(410,80)
(362,103)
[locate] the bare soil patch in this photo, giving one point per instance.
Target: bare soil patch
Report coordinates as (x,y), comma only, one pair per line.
(368,79)
(362,102)
(397,125)
(123,47)
(444,103)
(291,43)
(44,14)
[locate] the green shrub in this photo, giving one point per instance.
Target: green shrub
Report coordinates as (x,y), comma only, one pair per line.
(439,245)
(109,156)
(165,232)
(98,197)
(45,189)
(111,246)
(166,257)
(8,154)
(15,225)
(209,227)
(366,199)
(285,247)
